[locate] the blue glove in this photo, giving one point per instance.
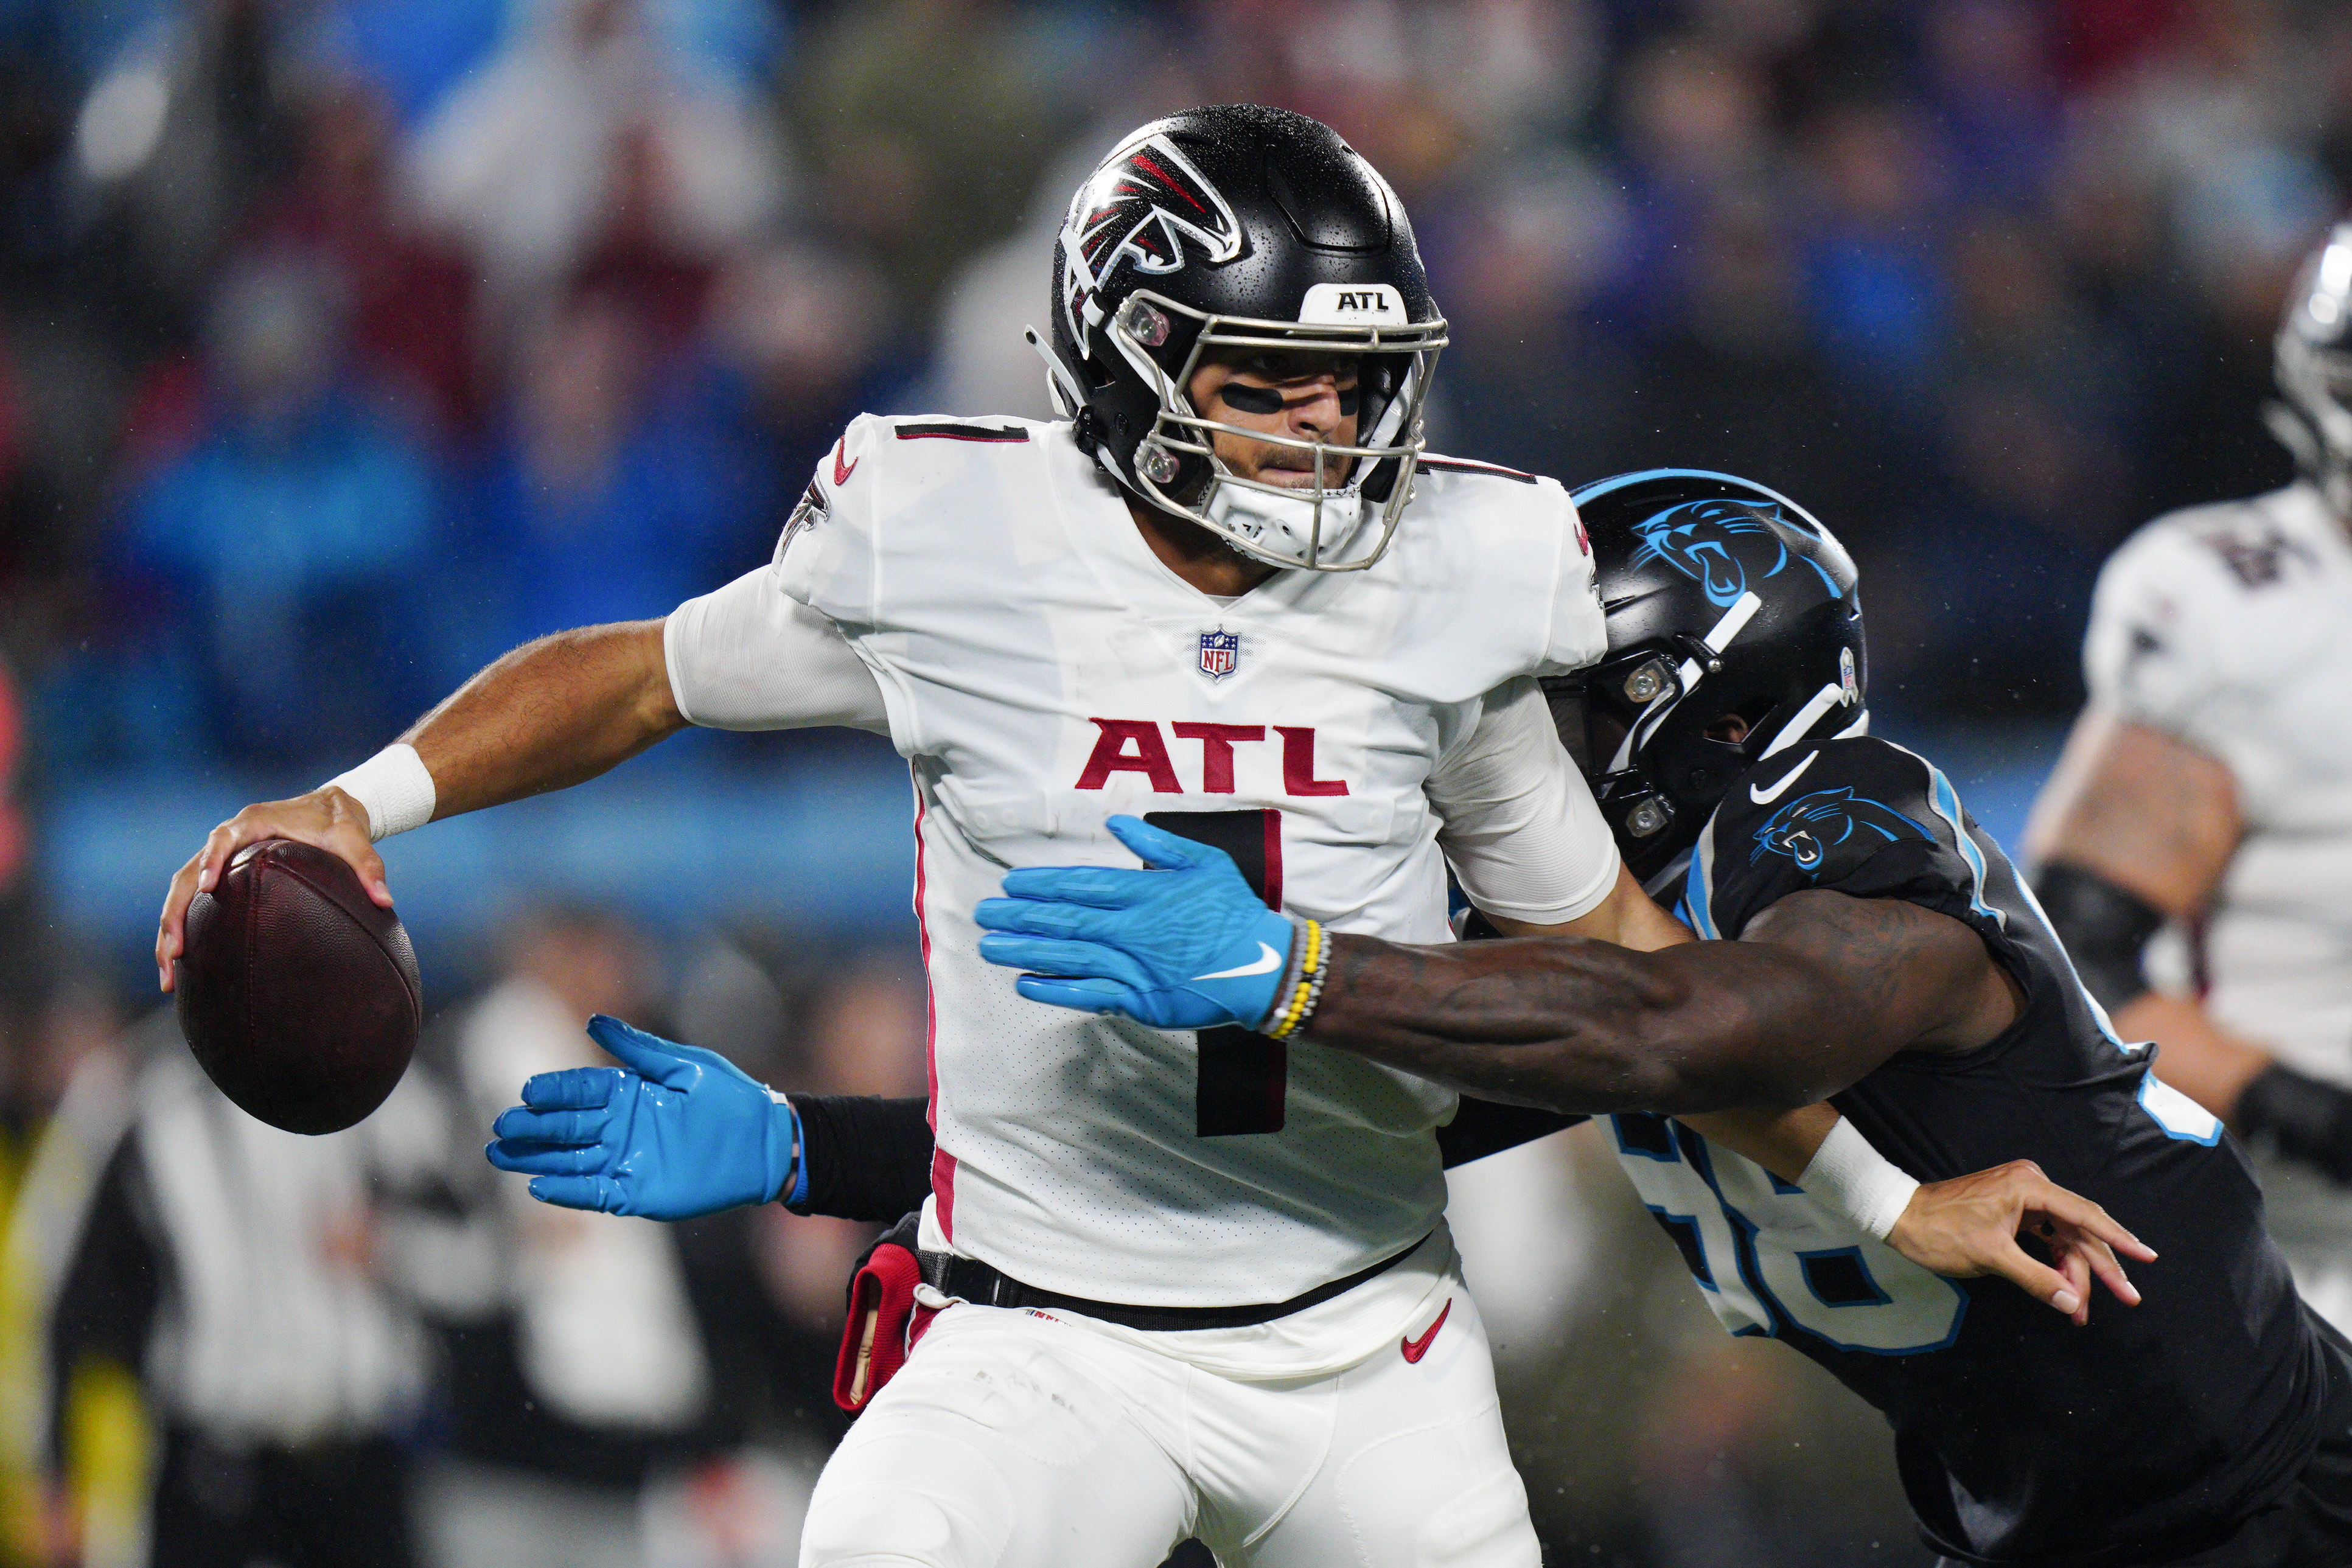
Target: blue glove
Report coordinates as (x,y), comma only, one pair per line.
(679,1131)
(1185,944)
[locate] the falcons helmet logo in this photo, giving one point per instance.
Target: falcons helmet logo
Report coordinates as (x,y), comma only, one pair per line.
(1142,207)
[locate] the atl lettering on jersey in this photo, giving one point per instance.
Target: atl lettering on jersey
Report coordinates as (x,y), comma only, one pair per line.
(1141,746)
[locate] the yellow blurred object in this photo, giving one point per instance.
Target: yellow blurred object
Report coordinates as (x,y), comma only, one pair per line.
(23,1527)
(110,1448)
(102,1519)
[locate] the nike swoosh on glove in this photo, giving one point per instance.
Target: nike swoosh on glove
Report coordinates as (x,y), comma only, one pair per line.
(1184,944)
(676,1132)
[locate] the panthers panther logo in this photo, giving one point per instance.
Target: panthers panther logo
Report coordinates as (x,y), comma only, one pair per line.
(1721,542)
(1809,827)
(1143,208)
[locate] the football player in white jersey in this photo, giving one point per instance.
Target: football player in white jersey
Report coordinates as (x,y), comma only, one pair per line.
(1231,594)
(2195,843)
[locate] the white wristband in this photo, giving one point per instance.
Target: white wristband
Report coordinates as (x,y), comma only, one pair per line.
(395,788)
(1858,1181)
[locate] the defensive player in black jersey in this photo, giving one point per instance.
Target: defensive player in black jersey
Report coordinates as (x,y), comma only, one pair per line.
(1877,948)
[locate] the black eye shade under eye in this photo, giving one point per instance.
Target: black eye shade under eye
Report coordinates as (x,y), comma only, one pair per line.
(1249,399)
(1268,400)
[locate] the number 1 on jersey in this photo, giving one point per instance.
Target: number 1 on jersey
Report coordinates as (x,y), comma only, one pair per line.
(1244,1076)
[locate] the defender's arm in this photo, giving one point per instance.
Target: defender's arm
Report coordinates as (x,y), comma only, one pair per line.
(1783,1141)
(1188,944)
(1821,989)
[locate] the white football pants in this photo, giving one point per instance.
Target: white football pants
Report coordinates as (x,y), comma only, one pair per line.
(1022,1439)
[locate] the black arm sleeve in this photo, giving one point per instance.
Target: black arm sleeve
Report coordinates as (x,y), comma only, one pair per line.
(2306,1119)
(1483,1127)
(868,1158)
(112,1291)
(2102,928)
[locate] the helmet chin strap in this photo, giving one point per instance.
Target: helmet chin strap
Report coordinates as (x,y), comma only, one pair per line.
(1068,396)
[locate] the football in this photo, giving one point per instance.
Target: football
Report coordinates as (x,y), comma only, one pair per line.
(300,997)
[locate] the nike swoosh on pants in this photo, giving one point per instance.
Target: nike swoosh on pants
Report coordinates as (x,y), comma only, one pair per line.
(1414,1348)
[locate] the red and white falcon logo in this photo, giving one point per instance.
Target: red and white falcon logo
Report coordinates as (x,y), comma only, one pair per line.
(1143,207)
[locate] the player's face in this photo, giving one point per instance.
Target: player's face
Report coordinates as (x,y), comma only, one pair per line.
(1604,732)
(1305,396)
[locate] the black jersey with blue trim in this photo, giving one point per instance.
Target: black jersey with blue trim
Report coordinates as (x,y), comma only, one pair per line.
(2020,1437)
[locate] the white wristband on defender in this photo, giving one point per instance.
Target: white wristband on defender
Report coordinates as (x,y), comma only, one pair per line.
(394,786)
(1850,1175)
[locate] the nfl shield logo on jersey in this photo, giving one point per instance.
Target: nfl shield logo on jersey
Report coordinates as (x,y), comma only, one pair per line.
(1221,652)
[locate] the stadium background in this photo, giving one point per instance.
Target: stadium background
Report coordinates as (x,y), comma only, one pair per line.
(346,343)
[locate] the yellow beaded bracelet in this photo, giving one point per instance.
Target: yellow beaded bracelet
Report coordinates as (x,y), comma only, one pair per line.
(1309,987)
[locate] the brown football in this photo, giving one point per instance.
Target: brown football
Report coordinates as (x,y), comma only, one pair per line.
(299,994)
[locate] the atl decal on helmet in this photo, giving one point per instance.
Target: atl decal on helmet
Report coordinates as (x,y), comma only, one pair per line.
(1140,208)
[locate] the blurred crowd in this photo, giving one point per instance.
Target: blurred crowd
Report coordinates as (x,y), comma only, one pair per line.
(346,344)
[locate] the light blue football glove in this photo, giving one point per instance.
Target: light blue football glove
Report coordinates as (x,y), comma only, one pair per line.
(1185,944)
(677,1133)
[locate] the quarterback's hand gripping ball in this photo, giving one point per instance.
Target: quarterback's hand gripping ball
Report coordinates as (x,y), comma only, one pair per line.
(677,1133)
(1184,944)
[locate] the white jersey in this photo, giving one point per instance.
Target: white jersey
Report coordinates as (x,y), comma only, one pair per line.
(2227,626)
(1043,671)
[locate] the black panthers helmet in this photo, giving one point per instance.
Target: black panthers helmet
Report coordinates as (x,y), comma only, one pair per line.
(1241,226)
(1722,597)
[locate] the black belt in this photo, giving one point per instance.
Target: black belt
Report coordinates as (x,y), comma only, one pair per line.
(973,1280)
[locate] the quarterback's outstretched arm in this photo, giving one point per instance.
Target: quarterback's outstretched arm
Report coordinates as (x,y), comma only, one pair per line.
(551,714)
(558,712)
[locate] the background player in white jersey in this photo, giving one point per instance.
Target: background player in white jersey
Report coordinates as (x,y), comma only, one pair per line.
(2201,816)
(1230,594)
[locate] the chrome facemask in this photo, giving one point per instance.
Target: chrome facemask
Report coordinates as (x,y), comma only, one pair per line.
(2314,371)
(1322,529)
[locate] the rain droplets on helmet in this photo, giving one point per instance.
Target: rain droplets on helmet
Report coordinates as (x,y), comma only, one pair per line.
(1230,229)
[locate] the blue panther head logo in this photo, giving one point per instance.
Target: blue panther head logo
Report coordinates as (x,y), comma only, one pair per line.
(1809,827)
(1718,542)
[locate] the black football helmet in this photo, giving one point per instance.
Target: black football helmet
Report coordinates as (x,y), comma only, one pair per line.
(2314,364)
(1237,227)
(1723,597)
